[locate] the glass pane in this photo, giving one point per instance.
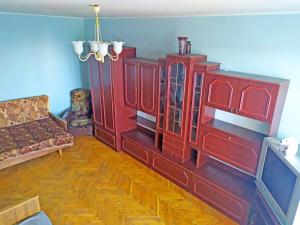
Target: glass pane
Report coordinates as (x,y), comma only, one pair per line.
(198,80)
(197,89)
(162,90)
(174,70)
(172,94)
(195,117)
(194,134)
(176,94)
(162,106)
(163,75)
(178,115)
(161,121)
(179,96)
(196,100)
(171,119)
(177,128)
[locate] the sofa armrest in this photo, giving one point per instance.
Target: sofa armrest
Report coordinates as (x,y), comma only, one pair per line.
(60,121)
(20,211)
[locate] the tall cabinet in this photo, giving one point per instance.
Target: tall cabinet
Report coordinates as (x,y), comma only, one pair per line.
(178,100)
(107,90)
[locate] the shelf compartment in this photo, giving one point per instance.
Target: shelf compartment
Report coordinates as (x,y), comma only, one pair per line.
(145,123)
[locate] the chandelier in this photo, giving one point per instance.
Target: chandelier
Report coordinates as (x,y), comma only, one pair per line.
(98,48)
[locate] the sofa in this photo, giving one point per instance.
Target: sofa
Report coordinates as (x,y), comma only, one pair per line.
(28,130)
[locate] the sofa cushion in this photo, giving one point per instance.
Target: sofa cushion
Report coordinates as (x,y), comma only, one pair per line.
(23,110)
(33,136)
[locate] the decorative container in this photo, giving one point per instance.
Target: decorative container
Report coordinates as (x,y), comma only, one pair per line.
(188,47)
(182,45)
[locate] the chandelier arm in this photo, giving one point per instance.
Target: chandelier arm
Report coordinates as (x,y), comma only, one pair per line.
(85,58)
(113,57)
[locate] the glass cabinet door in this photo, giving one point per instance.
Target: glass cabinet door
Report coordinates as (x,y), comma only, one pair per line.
(195,113)
(162,88)
(175,97)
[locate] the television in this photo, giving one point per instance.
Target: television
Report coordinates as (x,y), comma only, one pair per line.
(278,180)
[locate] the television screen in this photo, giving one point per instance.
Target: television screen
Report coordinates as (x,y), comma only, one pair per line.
(278,179)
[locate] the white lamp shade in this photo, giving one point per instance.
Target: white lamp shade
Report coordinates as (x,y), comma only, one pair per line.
(93,46)
(103,48)
(78,47)
(118,46)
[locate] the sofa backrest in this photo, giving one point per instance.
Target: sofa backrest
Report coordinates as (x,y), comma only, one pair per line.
(18,111)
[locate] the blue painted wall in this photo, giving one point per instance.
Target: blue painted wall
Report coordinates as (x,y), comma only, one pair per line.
(264,44)
(36,58)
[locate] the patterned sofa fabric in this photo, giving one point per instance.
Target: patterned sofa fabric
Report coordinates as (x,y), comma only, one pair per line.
(23,110)
(32,136)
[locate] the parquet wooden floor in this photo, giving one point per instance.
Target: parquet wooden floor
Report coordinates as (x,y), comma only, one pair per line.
(91,184)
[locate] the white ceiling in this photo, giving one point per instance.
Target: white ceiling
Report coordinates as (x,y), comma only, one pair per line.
(149,8)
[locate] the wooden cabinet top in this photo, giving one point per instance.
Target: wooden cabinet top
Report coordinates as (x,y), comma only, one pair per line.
(249,76)
(140,59)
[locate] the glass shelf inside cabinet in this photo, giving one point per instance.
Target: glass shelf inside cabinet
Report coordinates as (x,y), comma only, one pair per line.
(162,84)
(196,108)
(175,95)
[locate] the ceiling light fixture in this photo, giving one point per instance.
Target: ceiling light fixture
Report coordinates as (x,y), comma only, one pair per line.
(98,48)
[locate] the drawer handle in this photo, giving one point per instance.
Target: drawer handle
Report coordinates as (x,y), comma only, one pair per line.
(229,138)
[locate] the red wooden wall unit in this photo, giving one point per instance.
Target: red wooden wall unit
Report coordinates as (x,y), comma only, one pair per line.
(212,159)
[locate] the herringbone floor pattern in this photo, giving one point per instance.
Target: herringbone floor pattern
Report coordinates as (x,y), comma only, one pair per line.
(91,184)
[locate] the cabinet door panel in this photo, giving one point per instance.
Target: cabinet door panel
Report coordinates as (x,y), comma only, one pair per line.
(162,96)
(107,95)
(95,86)
(230,149)
(148,87)
(131,83)
(196,110)
(221,92)
(257,100)
(175,95)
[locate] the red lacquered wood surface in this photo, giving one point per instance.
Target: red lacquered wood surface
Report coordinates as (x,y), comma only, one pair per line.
(107,95)
(95,88)
(161,102)
(262,214)
(221,186)
(148,86)
(111,116)
(257,100)
(178,102)
(221,92)
(131,82)
(200,70)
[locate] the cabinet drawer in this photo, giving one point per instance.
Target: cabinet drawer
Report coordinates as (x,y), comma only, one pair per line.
(104,136)
(235,151)
(223,200)
(171,171)
(135,151)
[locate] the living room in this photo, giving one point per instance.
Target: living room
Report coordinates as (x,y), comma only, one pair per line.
(149,154)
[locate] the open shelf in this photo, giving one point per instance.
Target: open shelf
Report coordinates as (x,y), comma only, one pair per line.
(224,177)
(145,123)
(142,138)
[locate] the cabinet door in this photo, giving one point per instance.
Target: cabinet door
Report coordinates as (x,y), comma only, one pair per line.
(176,92)
(162,95)
(221,92)
(107,95)
(95,86)
(131,82)
(257,100)
(195,113)
(148,73)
